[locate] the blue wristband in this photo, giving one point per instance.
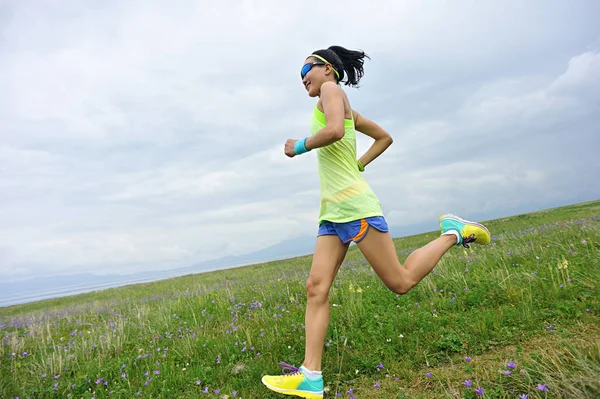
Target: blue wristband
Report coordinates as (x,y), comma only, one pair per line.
(300,146)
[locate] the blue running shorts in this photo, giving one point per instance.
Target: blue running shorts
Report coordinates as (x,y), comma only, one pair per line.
(355,230)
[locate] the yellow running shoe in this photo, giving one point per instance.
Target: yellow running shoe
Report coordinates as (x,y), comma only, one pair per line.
(294,383)
(468,231)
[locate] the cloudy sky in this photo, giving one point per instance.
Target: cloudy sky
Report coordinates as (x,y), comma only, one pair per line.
(147,135)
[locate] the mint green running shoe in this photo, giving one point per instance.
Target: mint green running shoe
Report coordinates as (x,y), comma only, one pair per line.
(294,383)
(468,231)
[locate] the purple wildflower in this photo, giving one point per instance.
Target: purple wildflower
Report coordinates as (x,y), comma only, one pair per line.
(198,382)
(511,365)
(124,375)
(377,385)
(234,393)
(523,396)
(216,391)
(479,391)
(506,372)
(468,359)
(428,375)
(379,366)
(156,372)
(468,383)
(542,387)
(550,327)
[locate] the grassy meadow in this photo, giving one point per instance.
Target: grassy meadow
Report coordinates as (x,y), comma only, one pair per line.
(519,318)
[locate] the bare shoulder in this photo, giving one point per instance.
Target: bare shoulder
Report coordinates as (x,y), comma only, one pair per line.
(331,93)
(331,88)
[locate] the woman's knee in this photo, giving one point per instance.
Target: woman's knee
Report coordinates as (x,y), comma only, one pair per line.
(401,287)
(317,287)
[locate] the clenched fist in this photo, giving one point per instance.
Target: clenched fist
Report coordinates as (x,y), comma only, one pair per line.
(288,149)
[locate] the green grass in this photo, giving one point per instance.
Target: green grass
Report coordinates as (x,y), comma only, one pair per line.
(541,270)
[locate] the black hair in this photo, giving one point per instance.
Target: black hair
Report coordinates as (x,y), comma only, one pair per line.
(348,63)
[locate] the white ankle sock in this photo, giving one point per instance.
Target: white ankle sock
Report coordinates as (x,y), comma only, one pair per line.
(310,373)
(453,232)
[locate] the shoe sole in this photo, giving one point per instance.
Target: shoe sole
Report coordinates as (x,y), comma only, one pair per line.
(461,220)
(295,392)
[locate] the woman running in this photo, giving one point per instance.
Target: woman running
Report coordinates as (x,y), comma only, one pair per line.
(350,210)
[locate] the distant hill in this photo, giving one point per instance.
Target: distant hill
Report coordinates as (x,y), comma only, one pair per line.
(285,249)
(45,287)
(37,288)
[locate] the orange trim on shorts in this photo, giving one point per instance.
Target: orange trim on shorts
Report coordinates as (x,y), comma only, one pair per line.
(363,230)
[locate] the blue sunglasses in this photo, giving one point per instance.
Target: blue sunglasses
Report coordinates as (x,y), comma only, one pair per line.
(307,67)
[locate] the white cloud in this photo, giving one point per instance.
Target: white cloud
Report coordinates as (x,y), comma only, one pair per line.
(582,78)
(145,136)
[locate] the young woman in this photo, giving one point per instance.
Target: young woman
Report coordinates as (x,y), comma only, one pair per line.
(350,210)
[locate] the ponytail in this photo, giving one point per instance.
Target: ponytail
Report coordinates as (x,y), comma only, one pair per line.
(348,63)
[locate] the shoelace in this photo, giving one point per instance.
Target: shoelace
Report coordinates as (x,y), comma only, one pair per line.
(467,240)
(285,366)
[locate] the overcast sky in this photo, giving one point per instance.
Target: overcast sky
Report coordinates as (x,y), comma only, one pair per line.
(146,135)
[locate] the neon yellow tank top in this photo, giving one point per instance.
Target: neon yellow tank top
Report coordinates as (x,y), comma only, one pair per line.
(345,194)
